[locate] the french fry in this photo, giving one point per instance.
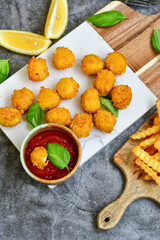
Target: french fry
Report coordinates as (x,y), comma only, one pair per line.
(146,158)
(158,106)
(156,121)
(147,177)
(149,141)
(137,167)
(146,132)
(148,170)
(147,152)
(157,144)
(151,150)
(157,156)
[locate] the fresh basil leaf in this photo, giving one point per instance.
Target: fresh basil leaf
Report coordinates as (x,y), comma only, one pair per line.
(35,115)
(156,39)
(107,19)
(58,155)
(109,106)
(4,70)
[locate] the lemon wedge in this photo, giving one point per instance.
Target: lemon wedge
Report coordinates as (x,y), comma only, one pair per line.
(23,42)
(57,19)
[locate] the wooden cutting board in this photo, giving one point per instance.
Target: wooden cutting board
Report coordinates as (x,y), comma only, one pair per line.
(132,37)
(135,186)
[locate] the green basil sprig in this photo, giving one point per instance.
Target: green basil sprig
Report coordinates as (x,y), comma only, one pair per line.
(107,19)
(109,106)
(156,39)
(58,155)
(4,70)
(35,115)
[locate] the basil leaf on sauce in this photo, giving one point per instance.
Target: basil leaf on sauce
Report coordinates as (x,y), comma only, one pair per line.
(107,19)
(109,106)
(35,115)
(156,39)
(58,155)
(4,70)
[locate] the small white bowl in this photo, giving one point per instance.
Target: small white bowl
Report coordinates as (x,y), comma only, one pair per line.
(39,129)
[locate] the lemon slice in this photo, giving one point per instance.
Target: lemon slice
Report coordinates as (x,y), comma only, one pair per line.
(57,19)
(23,42)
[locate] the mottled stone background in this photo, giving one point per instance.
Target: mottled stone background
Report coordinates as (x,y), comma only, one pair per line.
(30,211)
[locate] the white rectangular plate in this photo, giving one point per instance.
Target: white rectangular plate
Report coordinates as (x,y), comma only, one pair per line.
(83,40)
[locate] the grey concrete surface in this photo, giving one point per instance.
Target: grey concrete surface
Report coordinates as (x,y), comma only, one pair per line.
(31,211)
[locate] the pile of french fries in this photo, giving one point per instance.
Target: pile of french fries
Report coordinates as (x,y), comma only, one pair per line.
(147,152)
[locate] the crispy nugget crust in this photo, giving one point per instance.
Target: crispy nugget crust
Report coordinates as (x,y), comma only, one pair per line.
(121,96)
(63,58)
(37,69)
(22,99)
(82,124)
(104,120)
(9,117)
(104,82)
(48,98)
(90,101)
(59,115)
(39,157)
(116,63)
(67,88)
(91,64)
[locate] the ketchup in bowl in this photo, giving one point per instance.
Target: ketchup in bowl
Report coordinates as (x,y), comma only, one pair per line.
(40,137)
(50,171)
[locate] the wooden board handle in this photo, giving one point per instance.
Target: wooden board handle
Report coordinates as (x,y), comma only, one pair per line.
(109,216)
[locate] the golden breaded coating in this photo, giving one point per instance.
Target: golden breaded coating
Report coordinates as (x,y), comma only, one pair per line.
(39,157)
(90,101)
(116,63)
(37,69)
(22,99)
(9,117)
(121,96)
(63,58)
(104,82)
(67,88)
(91,64)
(59,115)
(48,98)
(104,120)
(82,124)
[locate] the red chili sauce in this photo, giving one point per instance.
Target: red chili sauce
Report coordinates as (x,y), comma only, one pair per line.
(51,172)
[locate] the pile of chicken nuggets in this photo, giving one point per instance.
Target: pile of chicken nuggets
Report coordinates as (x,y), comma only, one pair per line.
(67,88)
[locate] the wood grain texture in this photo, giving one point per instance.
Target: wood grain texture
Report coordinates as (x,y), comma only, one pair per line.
(135,187)
(132,37)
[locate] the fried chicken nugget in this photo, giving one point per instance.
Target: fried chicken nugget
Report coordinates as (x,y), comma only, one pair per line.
(67,88)
(48,98)
(22,99)
(116,63)
(104,82)
(82,124)
(63,58)
(121,96)
(39,157)
(91,64)
(9,117)
(104,120)
(37,69)
(90,101)
(59,115)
